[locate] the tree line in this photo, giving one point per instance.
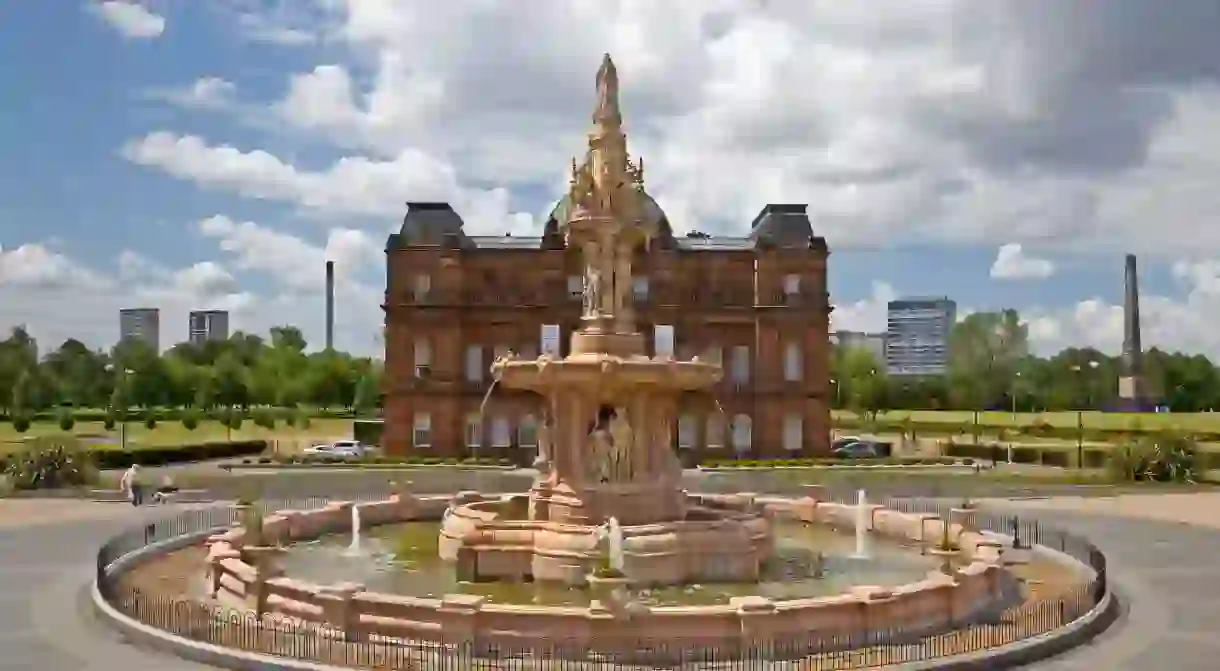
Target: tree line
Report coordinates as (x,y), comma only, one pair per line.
(243,371)
(992,368)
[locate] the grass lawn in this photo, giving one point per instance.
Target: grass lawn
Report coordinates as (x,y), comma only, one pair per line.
(173,433)
(1200,421)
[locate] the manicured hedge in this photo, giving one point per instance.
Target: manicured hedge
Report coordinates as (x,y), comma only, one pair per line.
(323,460)
(176,454)
(1037,430)
(882,461)
(113,457)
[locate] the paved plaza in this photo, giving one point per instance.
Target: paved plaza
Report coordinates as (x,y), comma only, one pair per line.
(1162,551)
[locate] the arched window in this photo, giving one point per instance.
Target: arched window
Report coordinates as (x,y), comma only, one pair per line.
(421,431)
(688,431)
(793,365)
(423,357)
(501,432)
(794,432)
(742,433)
(474,430)
(714,432)
(527,432)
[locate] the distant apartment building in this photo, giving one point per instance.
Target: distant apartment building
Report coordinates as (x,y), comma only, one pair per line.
(917,336)
(873,342)
(208,325)
(141,324)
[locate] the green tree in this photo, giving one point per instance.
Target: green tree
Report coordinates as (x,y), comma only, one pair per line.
(365,396)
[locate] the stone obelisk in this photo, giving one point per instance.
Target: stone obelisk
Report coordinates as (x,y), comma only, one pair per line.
(1133,393)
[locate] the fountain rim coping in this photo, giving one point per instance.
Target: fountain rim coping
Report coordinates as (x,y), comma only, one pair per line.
(471,509)
(857,594)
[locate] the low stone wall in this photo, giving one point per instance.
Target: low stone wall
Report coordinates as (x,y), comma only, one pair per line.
(242,571)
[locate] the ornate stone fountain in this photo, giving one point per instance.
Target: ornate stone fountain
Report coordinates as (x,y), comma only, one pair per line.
(605,443)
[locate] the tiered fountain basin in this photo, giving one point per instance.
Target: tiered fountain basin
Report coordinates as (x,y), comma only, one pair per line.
(244,571)
(606,373)
(493,540)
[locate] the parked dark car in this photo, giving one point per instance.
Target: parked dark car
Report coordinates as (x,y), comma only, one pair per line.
(862,449)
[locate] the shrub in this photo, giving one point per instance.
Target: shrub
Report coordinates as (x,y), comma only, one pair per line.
(50,462)
(190,419)
(1165,457)
(66,419)
(263,417)
(150,421)
(290,418)
(21,423)
(109,421)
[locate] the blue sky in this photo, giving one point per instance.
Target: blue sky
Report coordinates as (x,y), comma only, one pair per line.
(297,130)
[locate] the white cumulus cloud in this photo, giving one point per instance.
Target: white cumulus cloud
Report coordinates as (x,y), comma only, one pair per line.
(1013,263)
(131,19)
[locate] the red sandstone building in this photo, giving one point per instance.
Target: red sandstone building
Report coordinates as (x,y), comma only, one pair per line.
(756,304)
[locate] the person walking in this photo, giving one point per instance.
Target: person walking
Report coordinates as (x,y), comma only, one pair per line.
(131,485)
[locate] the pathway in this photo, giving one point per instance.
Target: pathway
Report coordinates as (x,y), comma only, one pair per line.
(1162,552)
(46,551)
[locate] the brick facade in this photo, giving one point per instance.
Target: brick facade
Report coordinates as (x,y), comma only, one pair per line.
(452,301)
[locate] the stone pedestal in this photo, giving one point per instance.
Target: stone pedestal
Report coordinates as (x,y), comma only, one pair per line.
(340,611)
(263,559)
(967,518)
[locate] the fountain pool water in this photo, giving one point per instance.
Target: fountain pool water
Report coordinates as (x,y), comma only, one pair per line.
(402,559)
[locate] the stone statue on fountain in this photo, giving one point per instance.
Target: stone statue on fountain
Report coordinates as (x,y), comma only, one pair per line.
(622,440)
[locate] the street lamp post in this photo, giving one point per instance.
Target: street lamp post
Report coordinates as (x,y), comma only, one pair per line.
(1092,365)
(1013,394)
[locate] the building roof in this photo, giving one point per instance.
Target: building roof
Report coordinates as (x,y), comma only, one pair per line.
(777,226)
(785,226)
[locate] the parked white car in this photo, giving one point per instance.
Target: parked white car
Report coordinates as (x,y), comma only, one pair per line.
(341,448)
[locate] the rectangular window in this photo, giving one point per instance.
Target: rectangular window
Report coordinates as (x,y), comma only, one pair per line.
(501,432)
(474,363)
(663,341)
(792,284)
(794,432)
(474,430)
(715,430)
(423,358)
(527,432)
(639,289)
(421,431)
(688,431)
(550,340)
(793,366)
(576,286)
(742,433)
(739,373)
(421,287)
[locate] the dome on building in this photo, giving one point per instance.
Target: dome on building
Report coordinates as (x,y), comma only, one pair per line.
(653,215)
